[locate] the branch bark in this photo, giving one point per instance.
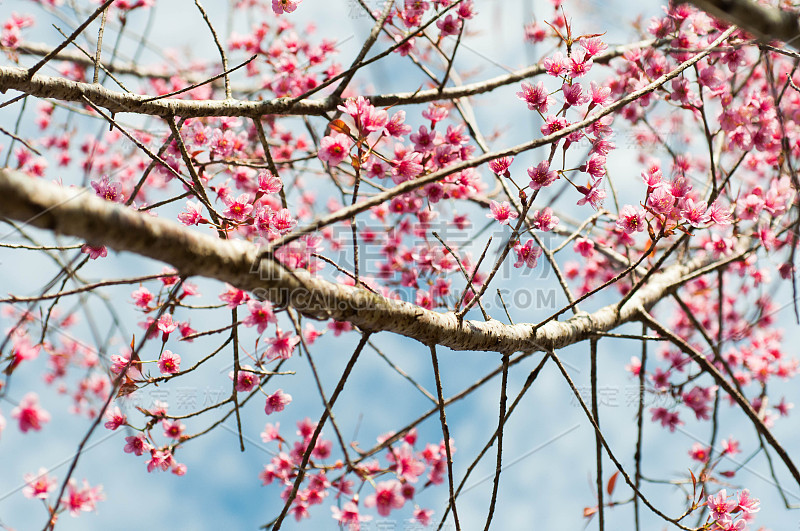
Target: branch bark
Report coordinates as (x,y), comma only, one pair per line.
(765,22)
(78,212)
(12,78)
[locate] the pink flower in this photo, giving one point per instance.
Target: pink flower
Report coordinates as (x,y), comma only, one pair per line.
(631,219)
(38,485)
(395,126)
(268,183)
(719,214)
(282,345)
(746,504)
(277,401)
(661,201)
(579,64)
(159,459)
(169,363)
(271,432)
(193,214)
(280,7)
(720,507)
(94,252)
(234,297)
(245,380)
(536,97)
(573,94)
(435,112)
(595,166)
(334,148)
(695,213)
(423,516)
(387,497)
(166,325)
(554,124)
(541,176)
(449,25)
(310,334)
(500,166)
(142,297)
(635,366)
(349,516)
(699,452)
(730,446)
(668,419)
(556,65)
(719,246)
(238,209)
(584,247)
(83,499)
(108,190)
(527,254)
(172,428)
(599,94)
(115,418)
(260,315)
(594,195)
(502,212)
(544,220)
(136,444)
(29,414)
(593,46)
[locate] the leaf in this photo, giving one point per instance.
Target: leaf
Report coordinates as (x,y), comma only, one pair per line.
(612,482)
(127,388)
(588,512)
(340,127)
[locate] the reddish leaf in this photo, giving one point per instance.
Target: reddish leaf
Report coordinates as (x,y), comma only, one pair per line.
(588,512)
(340,127)
(612,482)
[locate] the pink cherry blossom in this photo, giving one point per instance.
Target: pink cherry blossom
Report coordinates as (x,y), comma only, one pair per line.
(277,401)
(535,96)
(541,176)
(238,209)
(246,380)
(280,7)
(169,363)
(39,485)
(594,195)
(29,414)
(544,219)
(502,212)
(386,497)
(82,499)
(115,418)
(631,219)
(349,517)
(94,252)
(500,166)
(527,254)
(193,214)
(260,315)
(136,444)
(333,149)
(282,345)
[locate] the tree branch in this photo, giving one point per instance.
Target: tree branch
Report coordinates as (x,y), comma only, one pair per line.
(77,213)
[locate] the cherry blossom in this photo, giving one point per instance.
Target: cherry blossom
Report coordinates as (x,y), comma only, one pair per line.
(277,401)
(39,485)
(29,414)
(502,212)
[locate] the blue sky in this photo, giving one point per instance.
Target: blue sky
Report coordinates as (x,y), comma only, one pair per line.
(549,445)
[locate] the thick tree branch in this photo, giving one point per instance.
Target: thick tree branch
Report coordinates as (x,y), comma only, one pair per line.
(765,22)
(116,102)
(79,213)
